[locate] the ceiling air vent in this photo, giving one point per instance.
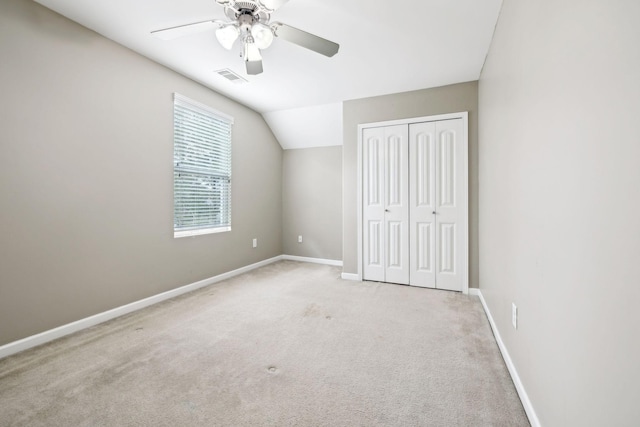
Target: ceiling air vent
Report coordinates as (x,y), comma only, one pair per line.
(231,76)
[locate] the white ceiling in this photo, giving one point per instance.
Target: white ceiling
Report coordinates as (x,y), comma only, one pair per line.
(321,124)
(385,47)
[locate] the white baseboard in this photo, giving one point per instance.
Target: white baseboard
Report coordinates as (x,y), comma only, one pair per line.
(335,262)
(69,328)
(351,276)
(524,397)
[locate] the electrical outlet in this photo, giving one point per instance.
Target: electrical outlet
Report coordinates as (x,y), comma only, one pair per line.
(255,243)
(300,238)
(514,316)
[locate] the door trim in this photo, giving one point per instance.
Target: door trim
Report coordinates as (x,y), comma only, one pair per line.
(464,115)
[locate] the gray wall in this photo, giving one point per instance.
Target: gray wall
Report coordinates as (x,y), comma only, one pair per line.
(559,201)
(86,180)
(427,102)
(312,202)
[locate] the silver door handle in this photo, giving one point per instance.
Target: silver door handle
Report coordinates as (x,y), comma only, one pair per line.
(434,212)
(387,210)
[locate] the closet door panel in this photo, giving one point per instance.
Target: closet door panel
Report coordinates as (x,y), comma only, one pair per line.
(373,193)
(396,212)
(449,177)
(422,201)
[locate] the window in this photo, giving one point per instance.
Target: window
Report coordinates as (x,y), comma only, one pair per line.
(201,169)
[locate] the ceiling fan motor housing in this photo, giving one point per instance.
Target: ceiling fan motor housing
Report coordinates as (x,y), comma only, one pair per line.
(246,20)
(239,9)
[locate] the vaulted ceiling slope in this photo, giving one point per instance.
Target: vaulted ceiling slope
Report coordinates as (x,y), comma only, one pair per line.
(385,47)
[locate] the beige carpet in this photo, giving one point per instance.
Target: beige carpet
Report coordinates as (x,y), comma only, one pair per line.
(288,344)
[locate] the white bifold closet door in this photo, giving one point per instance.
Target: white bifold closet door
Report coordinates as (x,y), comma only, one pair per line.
(412,180)
(436,233)
(386,204)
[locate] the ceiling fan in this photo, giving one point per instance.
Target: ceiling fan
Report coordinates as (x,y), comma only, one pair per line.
(249,22)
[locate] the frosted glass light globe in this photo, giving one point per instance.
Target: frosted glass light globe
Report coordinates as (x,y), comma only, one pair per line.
(227,35)
(262,35)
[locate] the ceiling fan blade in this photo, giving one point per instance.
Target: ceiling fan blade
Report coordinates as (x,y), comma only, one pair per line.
(272,4)
(186,29)
(304,39)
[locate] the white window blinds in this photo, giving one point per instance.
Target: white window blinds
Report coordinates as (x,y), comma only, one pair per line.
(201,168)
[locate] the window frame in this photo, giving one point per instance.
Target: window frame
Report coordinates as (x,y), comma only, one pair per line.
(184,103)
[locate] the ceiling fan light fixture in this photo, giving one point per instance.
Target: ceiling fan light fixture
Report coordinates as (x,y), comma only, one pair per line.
(262,35)
(227,35)
(249,22)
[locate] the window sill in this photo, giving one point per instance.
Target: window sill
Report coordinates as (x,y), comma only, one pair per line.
(192,233)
